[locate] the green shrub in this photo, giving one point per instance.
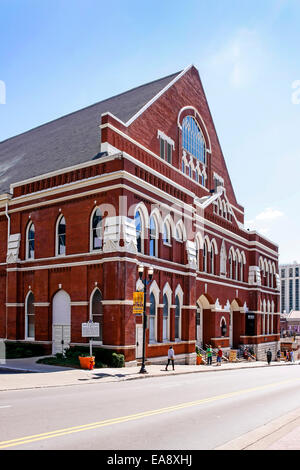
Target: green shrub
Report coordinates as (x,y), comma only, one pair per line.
(18,350)
(118,360)
(102,356)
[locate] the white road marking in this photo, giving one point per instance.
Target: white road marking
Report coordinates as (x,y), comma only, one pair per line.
(5,406)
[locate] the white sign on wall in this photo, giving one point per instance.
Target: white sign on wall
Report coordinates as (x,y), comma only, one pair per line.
(90,330)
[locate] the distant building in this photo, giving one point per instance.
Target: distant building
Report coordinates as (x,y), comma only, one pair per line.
(290,289)
(290,323)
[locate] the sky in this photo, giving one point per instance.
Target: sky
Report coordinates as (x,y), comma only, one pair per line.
(57,56)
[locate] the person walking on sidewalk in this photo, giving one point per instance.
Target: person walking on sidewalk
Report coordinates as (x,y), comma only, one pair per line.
(209,355)
(171,357)
(219,356)
(269,356)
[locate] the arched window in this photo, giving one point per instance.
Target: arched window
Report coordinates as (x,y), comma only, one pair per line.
(165,318)
(96,312)
(30,241)
(192,138)
(223,327)
(230,265)
(30,317)
(167,233)
(212,259)
(198,248)
(139,231)
(177,317)
(179,233)
(152,319)
(223,260)
(97,236)
(153,237)
(61,236)
(204,264)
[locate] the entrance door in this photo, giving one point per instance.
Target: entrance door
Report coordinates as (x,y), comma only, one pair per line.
(61,338)
(61,321)
(139,342)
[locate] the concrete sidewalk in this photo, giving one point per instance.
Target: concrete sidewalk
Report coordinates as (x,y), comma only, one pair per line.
(279,434)
(30,375)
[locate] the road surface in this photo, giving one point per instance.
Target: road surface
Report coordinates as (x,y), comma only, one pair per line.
(195,411)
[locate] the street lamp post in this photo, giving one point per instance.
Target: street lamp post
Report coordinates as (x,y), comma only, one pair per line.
(145,282)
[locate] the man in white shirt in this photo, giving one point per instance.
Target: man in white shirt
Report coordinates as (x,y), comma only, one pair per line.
(171,357)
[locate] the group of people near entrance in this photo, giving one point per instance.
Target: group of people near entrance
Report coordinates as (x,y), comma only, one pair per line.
(246,354)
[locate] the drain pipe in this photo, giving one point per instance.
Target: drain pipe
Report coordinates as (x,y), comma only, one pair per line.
(8,235)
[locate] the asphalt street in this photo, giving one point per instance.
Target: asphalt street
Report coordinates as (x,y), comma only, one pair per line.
(195,411)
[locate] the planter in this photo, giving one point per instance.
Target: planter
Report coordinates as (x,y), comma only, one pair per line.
(87,362)
(199,360)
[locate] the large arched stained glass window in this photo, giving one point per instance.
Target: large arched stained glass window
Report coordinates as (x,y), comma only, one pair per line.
(192,139)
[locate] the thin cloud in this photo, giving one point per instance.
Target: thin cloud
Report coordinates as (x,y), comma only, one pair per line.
(240,59)
(269,214)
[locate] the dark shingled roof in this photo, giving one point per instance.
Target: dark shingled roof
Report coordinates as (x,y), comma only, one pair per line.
(69,140)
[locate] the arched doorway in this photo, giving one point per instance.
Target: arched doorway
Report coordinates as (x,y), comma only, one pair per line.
(235,323)
(61,321)
(96,312)
(203,320)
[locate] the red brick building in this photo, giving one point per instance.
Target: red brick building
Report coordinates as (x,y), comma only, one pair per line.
(139,178)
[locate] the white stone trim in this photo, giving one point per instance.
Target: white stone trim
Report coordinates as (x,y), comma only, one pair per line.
(163,136)
(150,102)
(83,303)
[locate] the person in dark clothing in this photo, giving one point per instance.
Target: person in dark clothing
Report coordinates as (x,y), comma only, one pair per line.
(269,356)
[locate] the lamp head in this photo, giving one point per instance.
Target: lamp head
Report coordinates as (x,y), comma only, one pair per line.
(141,270)
(150,273)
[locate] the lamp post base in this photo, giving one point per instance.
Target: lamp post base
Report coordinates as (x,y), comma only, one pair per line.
(143,370)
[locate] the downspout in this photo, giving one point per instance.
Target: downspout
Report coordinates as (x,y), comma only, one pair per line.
(8,235)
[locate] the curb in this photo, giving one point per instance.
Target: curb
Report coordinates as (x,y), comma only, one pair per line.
(136,377)
(17,369)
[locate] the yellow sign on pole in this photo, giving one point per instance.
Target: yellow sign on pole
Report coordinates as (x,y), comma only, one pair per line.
(138,303)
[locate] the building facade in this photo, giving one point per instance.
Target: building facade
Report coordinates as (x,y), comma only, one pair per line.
(138,179)
(290,288)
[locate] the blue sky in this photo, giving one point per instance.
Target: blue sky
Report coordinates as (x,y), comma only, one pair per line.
(57,56)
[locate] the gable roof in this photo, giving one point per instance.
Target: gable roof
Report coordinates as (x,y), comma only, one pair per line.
(71,139)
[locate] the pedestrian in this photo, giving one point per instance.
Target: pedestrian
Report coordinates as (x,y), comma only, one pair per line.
(278,355)
(219,356)
(209,355)
(171,357)
(292,356)
(287,356)
(269,356)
